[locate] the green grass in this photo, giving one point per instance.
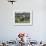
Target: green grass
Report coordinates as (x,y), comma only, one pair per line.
(22,20)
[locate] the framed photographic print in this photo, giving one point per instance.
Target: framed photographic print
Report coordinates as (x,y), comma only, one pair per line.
(23,18)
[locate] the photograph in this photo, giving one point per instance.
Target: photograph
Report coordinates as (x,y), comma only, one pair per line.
(23,18)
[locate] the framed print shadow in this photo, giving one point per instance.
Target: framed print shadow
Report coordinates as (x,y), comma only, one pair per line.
(23,18)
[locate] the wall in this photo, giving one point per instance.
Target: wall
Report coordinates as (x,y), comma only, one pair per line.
(9,31)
